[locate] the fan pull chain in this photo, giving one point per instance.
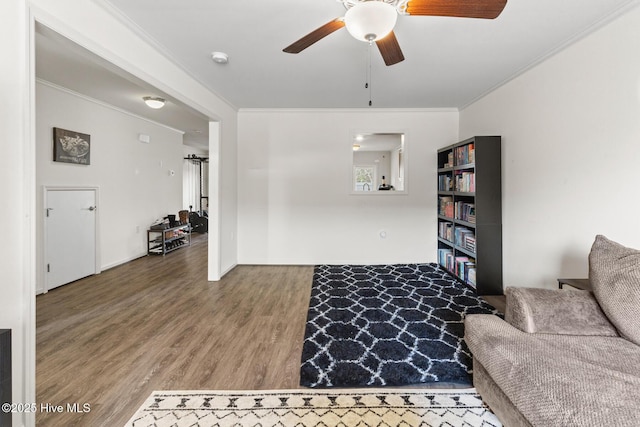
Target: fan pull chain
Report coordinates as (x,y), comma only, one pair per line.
(366,71)
(369,83)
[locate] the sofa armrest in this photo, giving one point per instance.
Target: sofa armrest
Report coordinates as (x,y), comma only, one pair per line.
(556,311)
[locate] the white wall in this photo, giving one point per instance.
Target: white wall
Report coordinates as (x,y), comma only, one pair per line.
(17,257)
(294,187)
(571,150)
(133,178)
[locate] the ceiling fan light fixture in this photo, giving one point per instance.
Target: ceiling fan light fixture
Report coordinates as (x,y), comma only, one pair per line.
(370,20)
(154,102)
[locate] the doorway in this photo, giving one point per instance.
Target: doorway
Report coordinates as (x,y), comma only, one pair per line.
(70,234)
(35,261)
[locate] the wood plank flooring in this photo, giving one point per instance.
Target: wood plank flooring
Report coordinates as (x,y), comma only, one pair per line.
(157,324)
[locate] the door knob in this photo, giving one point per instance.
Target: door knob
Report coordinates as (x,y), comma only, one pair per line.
(92,208)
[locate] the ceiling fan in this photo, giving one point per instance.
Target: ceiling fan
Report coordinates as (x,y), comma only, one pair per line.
(373,21)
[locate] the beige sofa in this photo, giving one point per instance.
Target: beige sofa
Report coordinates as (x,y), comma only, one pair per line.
(561,357)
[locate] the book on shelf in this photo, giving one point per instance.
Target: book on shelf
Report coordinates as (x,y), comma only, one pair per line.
(445,230)
(449,162)
(461,262)
(470,243)
(465,238)
(445,258)
(471,276)
(465,211)
(445,183)
(463,266)
(445,206)
(465,154)
(465,182)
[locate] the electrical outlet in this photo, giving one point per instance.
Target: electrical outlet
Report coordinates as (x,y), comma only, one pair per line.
(137,229)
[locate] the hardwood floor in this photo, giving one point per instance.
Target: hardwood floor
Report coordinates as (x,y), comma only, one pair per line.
(157,324)
(498,301)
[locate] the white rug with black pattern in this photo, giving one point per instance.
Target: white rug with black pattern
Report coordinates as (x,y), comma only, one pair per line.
(387,325)
(311,408)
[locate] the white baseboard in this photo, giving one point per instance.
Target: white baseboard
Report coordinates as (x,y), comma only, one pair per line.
(228,269)
(123,261)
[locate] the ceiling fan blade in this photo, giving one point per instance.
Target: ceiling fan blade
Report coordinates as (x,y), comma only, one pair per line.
(314,36)
(487,9)
(390,49)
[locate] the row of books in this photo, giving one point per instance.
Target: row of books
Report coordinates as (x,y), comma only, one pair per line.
(446,259)
(445,206)
(465,211)
(445,230)
(462,266)
(466,270)
(445,183)
(449,163)
(461,236)
(465,238)
(465,154)
(465,182)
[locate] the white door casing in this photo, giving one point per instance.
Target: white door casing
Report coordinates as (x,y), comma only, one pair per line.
(70,234)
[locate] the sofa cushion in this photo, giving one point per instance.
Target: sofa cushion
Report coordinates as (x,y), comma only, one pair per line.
(614,272)
(559,380)
(556,311)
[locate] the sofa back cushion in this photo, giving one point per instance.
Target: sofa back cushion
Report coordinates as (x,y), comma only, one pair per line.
(614,272)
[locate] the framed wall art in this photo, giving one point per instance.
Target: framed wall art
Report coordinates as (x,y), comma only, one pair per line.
(71,147)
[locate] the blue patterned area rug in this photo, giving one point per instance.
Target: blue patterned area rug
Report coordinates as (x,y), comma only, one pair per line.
(387,325)
(310,408)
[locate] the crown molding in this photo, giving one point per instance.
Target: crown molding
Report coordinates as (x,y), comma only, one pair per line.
(104,104)
(348,110)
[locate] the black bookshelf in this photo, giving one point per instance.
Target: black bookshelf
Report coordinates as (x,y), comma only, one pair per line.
(470,207)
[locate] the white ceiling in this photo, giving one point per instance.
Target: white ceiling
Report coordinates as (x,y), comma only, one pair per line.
(378,141)
(450,62)
(66,64)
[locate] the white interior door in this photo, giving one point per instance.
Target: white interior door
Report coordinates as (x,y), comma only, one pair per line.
(70,234)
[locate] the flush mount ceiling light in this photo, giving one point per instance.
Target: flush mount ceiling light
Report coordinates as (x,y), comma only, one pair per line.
(154,102)
(370,20)
(220,57)
(356,147)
